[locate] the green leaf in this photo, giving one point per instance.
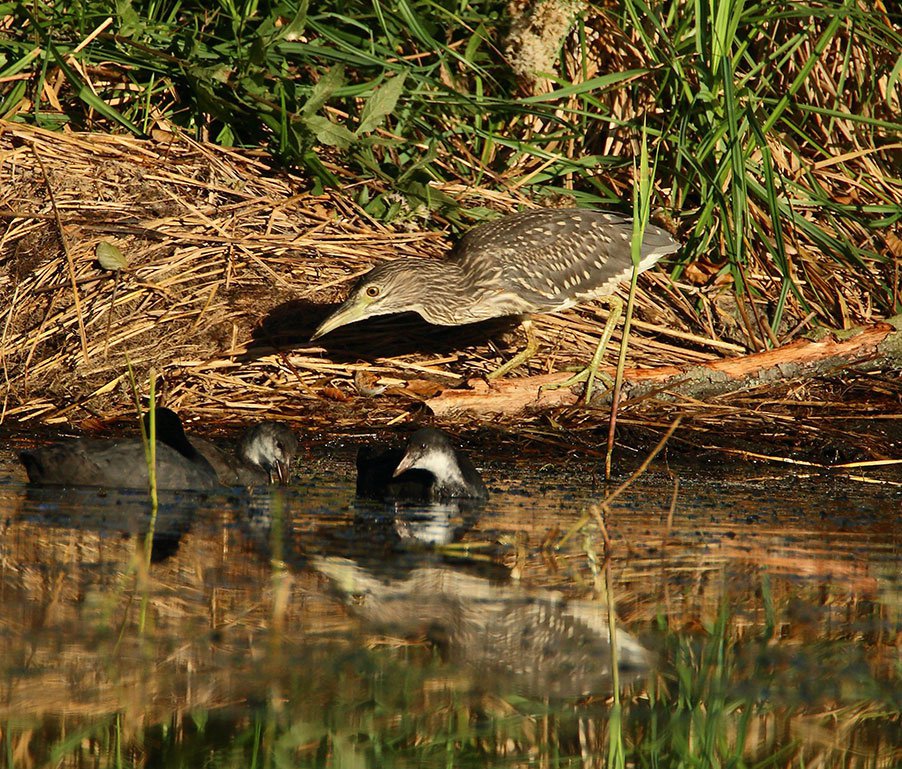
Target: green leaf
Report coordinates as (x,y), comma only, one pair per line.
(17,66)
(88,96)
(328,84)
(802,76)
(381,104)
(129,20)
(295,27)
(893,80)
(12,99)
(586,87)
(327,132)
(110,257)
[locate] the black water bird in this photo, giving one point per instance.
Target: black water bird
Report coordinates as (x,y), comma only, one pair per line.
(265,450)
(123,463)
(427,469)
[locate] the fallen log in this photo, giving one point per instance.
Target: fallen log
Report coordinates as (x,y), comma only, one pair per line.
(876,346)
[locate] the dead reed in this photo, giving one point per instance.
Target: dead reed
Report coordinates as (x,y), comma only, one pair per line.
(230,266)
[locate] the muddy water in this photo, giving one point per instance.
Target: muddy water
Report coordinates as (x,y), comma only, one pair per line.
(300,627)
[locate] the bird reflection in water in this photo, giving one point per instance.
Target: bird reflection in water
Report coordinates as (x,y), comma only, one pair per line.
(117,514)
(532,642)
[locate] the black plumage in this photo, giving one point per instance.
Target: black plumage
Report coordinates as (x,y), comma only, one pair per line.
(428,468)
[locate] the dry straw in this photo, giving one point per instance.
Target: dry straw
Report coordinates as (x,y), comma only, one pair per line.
(230,266)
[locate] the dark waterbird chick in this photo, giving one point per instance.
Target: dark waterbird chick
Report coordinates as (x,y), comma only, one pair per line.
(428,469)
(263,455)
(122,463)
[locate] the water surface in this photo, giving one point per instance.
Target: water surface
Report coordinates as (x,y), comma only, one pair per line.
(299,626)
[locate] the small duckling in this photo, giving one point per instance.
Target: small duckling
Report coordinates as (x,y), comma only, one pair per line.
(428,469)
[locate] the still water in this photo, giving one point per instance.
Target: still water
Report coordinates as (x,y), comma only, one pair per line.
(760,626)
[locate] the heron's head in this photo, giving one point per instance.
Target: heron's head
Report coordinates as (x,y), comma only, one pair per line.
(403,285)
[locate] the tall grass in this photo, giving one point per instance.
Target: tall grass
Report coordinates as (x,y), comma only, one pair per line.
(775,125)
(149,440)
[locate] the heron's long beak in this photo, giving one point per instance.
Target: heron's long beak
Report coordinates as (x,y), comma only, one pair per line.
(347,313)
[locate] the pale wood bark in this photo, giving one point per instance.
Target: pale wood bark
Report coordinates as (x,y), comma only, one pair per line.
(877,345)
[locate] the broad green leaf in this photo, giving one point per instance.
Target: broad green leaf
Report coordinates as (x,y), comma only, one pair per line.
(327,85)
(129,21)
(327,132)
(381,104)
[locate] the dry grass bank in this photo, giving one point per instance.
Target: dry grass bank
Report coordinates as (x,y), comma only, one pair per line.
(231,264)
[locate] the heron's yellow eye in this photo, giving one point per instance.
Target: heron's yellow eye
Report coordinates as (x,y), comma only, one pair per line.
(372,291)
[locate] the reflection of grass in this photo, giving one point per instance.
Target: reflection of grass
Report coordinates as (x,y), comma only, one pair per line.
(149,439)
(693,715)
(716,702)
(247,669)
(722,702)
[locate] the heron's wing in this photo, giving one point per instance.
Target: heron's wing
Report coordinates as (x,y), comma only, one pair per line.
(553,258)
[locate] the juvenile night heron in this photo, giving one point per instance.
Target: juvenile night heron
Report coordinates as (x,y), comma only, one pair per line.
(536,261)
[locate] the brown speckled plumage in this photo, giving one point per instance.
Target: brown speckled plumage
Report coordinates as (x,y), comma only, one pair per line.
(536,261)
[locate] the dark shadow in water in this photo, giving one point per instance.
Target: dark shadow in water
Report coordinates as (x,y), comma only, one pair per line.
(123,513)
